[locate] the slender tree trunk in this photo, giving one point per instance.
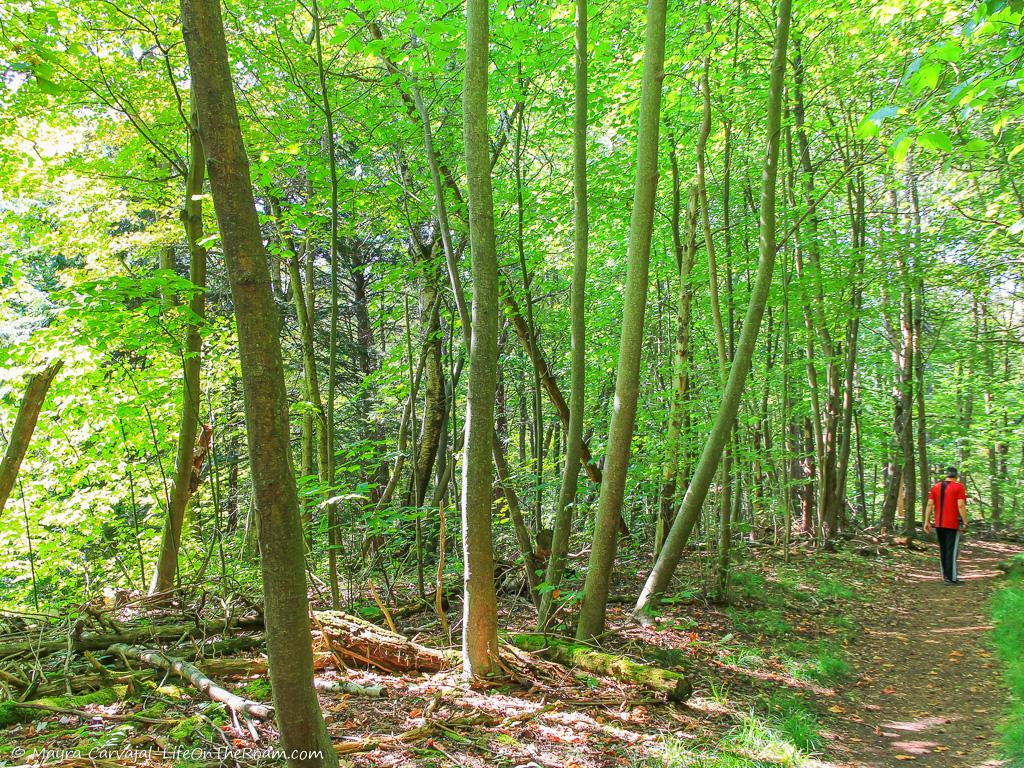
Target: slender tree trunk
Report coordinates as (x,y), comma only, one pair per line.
(332,354)
(620,431)
(480,621)
(318,419)
(725,497)
(289,642)
(666,563)
(678,421)
(857,218)
(995,494)
(182,484)
(24,426)
(829,421)
(791,443)
(435,404)
(907,402)
(577,309)
(917,267)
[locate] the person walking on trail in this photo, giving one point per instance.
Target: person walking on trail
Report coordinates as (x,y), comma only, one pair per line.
(947,503)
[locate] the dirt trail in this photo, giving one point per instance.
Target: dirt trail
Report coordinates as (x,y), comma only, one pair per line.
(929,690)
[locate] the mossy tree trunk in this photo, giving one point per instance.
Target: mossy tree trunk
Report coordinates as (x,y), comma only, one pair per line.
(480,619)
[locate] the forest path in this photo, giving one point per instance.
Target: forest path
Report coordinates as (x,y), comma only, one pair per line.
(928,688)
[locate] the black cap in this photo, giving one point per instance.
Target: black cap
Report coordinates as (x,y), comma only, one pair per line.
(951,472)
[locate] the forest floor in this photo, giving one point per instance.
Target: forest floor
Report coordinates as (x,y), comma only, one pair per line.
(825,661)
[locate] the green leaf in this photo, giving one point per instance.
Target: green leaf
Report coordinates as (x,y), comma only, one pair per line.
(948,51)
(867,128)
(926,78)
(47,86)
(871,124)
(901,147)
(935,140)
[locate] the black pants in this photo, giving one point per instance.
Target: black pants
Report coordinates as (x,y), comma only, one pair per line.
(949,548)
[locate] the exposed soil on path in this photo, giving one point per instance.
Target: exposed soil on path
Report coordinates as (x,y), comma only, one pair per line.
(928,689)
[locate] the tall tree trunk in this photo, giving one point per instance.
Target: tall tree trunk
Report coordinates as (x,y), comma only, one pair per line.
(332,354)
(907,400)
(289,642)
(182,484)
(577,309)
(24,426)
(855,198)
(620,430)
(827,459)
(995,495)
(678,421)
(725,497)
(811,464)
(917,268)
(480,620)
(435,404)
(301,302)
(666,563)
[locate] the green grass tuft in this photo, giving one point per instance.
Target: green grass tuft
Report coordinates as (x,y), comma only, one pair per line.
(1008,636)
(831,588)
(768,622)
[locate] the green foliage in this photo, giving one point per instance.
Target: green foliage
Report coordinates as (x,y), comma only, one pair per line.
(830,588)
(821,662)
(1008,636)
(796,720)
(763,621)
(257,689)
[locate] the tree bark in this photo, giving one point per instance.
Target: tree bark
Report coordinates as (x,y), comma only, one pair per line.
(679,416)
(665,565)
(725,497)
(577,309)
(309,368)
(480,620)
(356,642)
(620,430)
(182,482)
(829,416)
(289,647)
(24,426)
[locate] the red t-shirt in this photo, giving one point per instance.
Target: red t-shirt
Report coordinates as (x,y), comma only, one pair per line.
(947,508)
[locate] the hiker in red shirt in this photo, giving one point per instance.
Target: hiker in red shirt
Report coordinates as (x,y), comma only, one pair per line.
(948,503)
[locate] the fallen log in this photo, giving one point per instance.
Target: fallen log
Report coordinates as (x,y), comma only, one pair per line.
(195,676)
(86,682)
(353,641)
(152,634)
(674,685)
(345,686)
